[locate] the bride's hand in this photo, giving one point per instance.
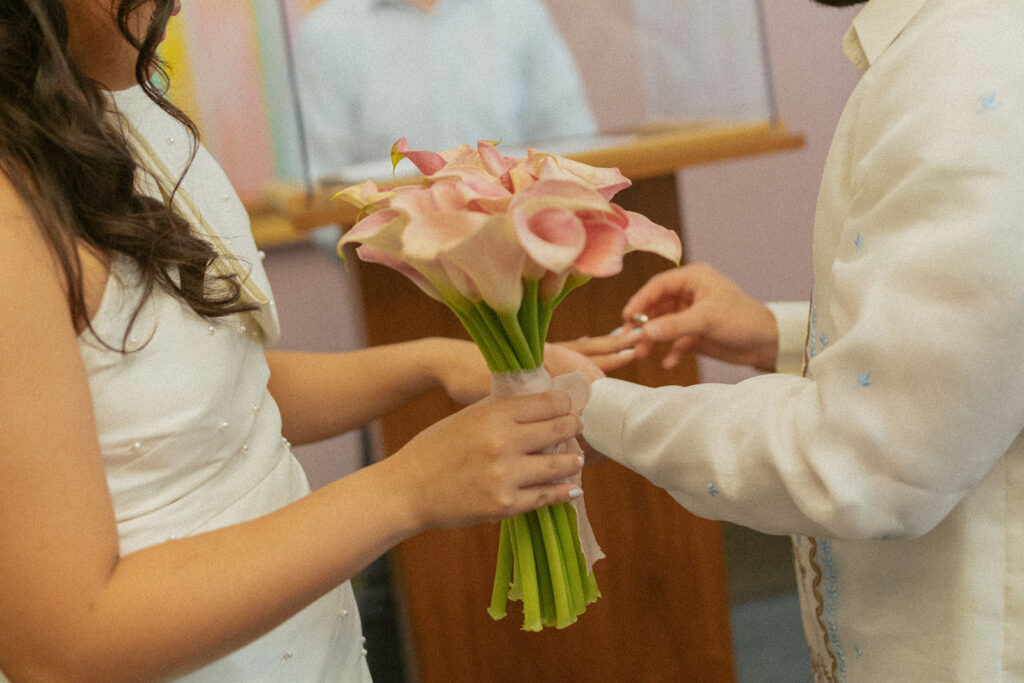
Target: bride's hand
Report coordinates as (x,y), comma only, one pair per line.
(607,352)
(484,462)
(459,368)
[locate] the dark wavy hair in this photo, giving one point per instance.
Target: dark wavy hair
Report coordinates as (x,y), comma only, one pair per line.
(71,164)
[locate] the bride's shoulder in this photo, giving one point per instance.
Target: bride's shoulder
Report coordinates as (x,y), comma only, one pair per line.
(32,274)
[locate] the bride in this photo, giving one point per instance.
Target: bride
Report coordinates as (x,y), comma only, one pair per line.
(153,521)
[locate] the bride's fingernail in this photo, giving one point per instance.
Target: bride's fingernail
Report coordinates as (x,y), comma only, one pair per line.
(616,331)
(576,493)
(636,332)
(583,460)
(626,352)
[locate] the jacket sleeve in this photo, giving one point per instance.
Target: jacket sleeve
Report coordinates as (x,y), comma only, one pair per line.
(791,320)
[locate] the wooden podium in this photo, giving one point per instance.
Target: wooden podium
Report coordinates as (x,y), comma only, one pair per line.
(664,611)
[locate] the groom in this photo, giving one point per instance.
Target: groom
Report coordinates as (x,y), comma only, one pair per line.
(895,455)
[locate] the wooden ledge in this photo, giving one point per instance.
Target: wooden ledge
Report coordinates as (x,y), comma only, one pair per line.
(288,209)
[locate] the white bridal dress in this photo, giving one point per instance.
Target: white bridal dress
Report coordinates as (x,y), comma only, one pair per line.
(190,436)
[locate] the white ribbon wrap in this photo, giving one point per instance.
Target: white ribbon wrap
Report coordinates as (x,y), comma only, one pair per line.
(505,384)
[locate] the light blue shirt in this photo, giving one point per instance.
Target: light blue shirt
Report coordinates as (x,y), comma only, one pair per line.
(373,71)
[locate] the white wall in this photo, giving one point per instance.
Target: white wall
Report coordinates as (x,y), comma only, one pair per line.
(752,218)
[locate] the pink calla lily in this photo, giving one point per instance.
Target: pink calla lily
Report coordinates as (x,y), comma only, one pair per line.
(380,241)
(427,162)
(547,221)
(481,224)
(469,173)
(364,194)
(492,160)
(371,254)
(606,244)
(552,236)
(481,259)
(643,234)
(382,228)
(606,181)
(477,252)
(518,177)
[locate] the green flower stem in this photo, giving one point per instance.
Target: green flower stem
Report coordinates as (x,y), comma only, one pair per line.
(544,583)
(546,308)
(485,342)
(488,319)
(590,590)
(564,615)
(526,575)
(572,567)
(528,320)
(544,311)
(521,347)
(515,589)
(491,328)
(503,574)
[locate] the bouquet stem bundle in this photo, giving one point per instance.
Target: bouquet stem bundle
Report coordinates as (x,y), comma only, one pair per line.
(501,241)
(540,558)
(540,562)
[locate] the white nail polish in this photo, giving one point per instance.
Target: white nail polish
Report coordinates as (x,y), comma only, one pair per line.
(575,493)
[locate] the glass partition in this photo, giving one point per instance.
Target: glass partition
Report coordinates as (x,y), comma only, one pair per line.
(315,91)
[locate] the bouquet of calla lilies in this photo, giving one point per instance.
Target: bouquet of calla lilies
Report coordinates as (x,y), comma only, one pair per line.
(501,241)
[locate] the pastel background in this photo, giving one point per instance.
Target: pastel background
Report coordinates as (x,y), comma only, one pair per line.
(643,62)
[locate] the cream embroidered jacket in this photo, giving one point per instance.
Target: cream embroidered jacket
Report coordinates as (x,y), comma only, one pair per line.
(896,461)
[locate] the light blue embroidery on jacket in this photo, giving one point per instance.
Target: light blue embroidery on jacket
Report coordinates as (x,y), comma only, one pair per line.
(858,241)
(812,337)
(864,379)
(830,579)
(823,339)
(712,491)
(812,333)
(989,102)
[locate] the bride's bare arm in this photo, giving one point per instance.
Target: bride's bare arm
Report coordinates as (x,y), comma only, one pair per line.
(74,609)
(324,394)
